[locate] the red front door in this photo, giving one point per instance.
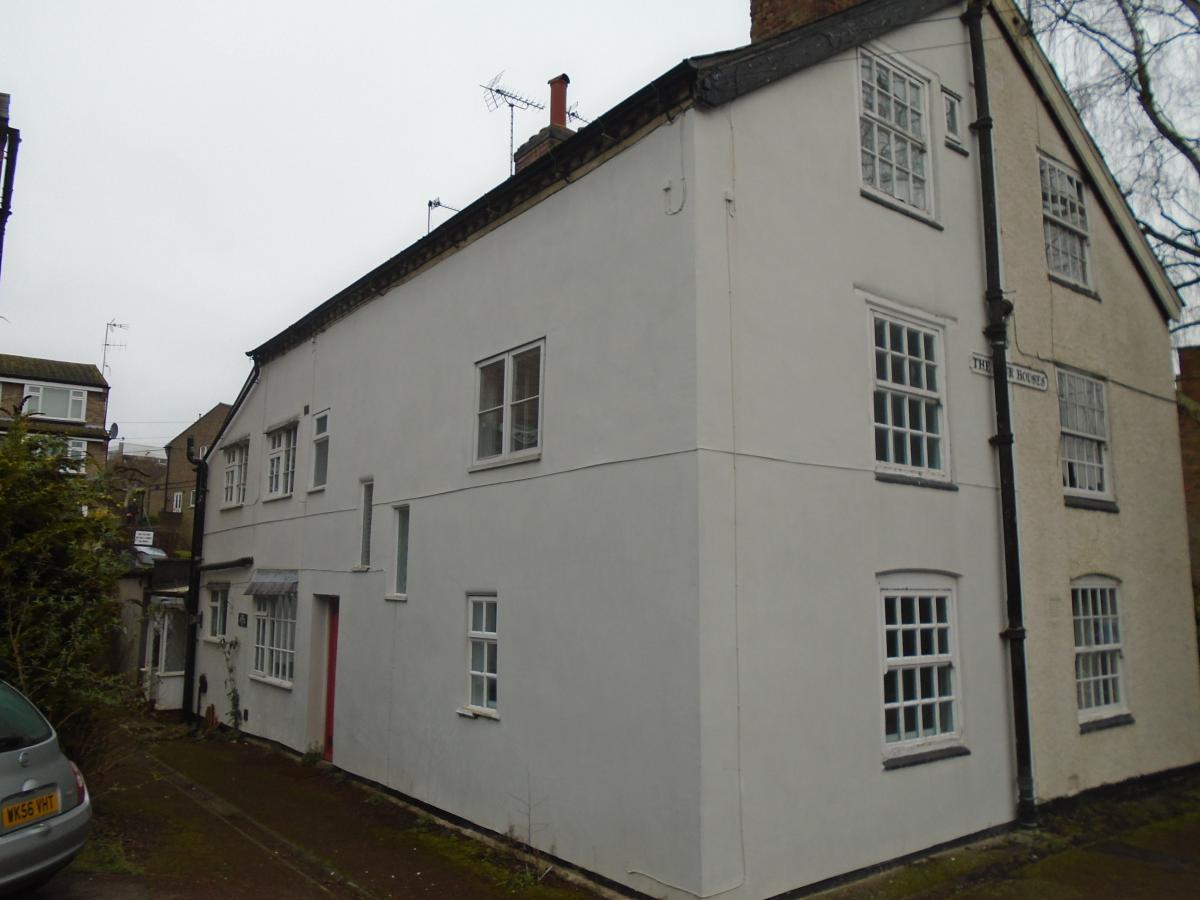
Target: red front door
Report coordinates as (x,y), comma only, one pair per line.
(331,676)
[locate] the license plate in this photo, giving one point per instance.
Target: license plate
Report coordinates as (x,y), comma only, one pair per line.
(29,810)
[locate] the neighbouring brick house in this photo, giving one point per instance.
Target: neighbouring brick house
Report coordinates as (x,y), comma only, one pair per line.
(66,399)
(171,499)
(1189,438)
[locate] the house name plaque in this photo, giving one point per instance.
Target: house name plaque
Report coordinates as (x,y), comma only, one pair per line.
(1026,377)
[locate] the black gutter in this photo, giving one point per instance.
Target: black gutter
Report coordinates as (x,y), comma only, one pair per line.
(998,311)
(10,140)
(192,604)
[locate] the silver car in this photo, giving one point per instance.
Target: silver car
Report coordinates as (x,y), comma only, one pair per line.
(45,810)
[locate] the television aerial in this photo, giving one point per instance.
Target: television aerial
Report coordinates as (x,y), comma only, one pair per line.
(497,95)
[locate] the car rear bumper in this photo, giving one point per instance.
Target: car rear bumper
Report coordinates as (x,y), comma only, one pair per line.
(41,849)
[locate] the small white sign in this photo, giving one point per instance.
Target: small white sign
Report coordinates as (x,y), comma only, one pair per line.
(143,539)
(1025,377)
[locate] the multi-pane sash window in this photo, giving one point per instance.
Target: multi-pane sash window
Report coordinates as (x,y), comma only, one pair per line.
(919,695)
(482,637)
(76,449)
(1097,644)
(218,611)
(235,473)
(892,132)
(177,501)
(320,449)
(192,498)
(55,402)
(908,399)
(275,637)
(368,501)
(1081,411)
(401,583)
(1064,220)
(508,420)
(281,461)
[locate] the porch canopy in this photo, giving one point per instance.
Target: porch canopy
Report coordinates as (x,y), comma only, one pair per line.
(273,582)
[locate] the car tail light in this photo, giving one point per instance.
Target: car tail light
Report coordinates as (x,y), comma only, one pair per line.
(80,787)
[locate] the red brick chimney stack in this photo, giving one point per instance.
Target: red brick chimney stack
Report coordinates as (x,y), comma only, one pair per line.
(558,100)
(771,17)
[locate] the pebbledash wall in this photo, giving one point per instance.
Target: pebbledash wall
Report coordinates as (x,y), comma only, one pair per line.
(1134,539)
(691,576)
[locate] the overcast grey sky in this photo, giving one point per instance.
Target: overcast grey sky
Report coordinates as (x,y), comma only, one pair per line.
(209,172)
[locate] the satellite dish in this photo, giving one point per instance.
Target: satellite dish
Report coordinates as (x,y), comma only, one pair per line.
(112,431)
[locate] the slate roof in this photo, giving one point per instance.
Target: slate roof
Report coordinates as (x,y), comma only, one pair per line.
(52,370)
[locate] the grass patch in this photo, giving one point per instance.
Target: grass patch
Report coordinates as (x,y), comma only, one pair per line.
(104,855)
(503,870)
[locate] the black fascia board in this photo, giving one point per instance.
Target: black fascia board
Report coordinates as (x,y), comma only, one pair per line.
(726,76)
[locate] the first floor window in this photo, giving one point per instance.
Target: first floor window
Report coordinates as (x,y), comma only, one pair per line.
(55,402)
(482,636)
(235,473)
(275,637)
(177,501)
(1084,421)
(218,611)
(320,472)
(920,695)
(1064,219)
(509,409)
(192,498)
(1097,644)
(908,395)
(401,583)
(368,508)
(281,461)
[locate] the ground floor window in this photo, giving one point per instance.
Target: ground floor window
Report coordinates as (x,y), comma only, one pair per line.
(218,610)
(482,635)
(1098,649)
(275,637)
(920,691)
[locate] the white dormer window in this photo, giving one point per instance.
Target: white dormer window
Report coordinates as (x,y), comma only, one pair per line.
(55,402)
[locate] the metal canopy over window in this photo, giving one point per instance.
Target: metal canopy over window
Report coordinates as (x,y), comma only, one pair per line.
(273,582)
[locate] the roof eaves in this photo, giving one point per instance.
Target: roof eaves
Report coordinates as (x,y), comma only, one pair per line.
(726,76)
(1013,26)
(625,123)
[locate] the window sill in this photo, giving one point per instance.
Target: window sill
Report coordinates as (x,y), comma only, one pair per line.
(957,147)
(320,488)
(1104,724)
(215,641)
(360,568)
(512,460)
(911,211)
(1094,503)
(396,598)
(274,497)
(474,712)
(271,682)
(1073,286)
(921,757)
(915,480)
(227,506)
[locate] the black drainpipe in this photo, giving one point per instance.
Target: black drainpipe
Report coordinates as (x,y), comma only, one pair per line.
(998,310)
(193,594)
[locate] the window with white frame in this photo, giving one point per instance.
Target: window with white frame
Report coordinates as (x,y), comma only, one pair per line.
(235,473)
(368,510)
(281,461)
(192,498)
(218,611)
(320,471)
(892,131)
(177,501)
(400,585)
(1084,448)
(76,449)
(56,402)
(908,404)
(482,636)
(953,107)
(920,690)
(275,637)
(1064,219)
(509,409)
(1098,648)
